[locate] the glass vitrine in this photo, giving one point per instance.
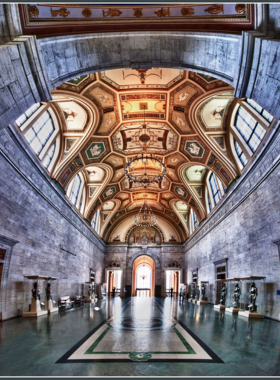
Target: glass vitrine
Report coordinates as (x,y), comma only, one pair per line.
(34,296)
(233,298)
(193,291)
(51,294)
(89,291)
(204,292)
(253,296)
(220,294)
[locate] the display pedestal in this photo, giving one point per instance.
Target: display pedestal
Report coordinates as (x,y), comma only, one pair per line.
(35,310)
(99,293)
(190,300)
(194,301)
(232,310)
(250,314)
(201,302)
(219,307)
(50,307)
(89,299)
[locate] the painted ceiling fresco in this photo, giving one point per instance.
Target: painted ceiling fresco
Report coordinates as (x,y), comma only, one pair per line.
(183,123)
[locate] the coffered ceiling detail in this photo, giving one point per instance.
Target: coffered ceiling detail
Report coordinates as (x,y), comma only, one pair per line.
(185,125)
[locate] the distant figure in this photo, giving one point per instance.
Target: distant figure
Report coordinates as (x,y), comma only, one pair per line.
(114,292)
(171,292)
(188,296)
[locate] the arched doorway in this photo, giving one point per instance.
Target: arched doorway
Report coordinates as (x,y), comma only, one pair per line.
(143,277)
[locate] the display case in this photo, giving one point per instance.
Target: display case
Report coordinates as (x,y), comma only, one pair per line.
(217,291)
(34,296)
(220,294)
(253,296)
(182,290)
(233,298)
(204,292)
(192,292)
(90,291)
(51,294)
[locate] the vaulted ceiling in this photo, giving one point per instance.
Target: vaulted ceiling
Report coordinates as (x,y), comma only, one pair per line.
(186,114)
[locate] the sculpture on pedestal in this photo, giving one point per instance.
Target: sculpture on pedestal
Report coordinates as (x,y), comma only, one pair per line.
(193,291)
(89,290)
(253,296)
(223,294)
(48,292)
(197,293)
(49,297)
(203,291)
(35,291)
(236,296)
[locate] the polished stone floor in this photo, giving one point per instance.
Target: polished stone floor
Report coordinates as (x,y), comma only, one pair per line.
(154,337)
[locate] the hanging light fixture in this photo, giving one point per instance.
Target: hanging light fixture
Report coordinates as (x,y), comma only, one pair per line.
(150,176)
(145,216)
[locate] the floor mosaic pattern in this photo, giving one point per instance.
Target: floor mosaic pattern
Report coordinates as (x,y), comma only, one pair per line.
(141,331)
(42,346)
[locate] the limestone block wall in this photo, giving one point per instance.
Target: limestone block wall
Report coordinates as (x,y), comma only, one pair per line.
(245,229)
(214,54)
(162,256)
(42,232)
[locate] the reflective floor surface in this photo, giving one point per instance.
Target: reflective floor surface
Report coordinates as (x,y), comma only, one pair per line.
(140,337)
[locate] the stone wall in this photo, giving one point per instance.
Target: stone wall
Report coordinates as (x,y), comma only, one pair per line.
(162,256)
(244,228)
(42,232)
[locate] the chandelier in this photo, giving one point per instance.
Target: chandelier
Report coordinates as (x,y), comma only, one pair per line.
(145,216)
(150,176)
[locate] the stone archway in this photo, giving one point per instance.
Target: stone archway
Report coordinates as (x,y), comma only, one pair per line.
(139,263)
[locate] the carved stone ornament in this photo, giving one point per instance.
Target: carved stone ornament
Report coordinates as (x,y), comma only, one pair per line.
(112,13)
(138,12)
(63,12)
(162,12)
(187,11)
(215,9)
(240,8)
(114,264)
(174,264)
(33,11)
(86,12)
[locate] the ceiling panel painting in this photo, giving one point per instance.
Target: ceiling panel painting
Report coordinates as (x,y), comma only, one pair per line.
(182,206)
(123,196)
(114,161)
(175,159)
(165,203)
(94,150)
(172,174)
(75,115)
(212,113)
(180,121)
(123,79)
(157,137)
(134,105)
(118,174)
(103,97)
(195,149)
(195,173)
(183,96)
(95,174)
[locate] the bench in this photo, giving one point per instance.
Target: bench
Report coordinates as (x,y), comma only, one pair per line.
(79,300)
(65,302)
